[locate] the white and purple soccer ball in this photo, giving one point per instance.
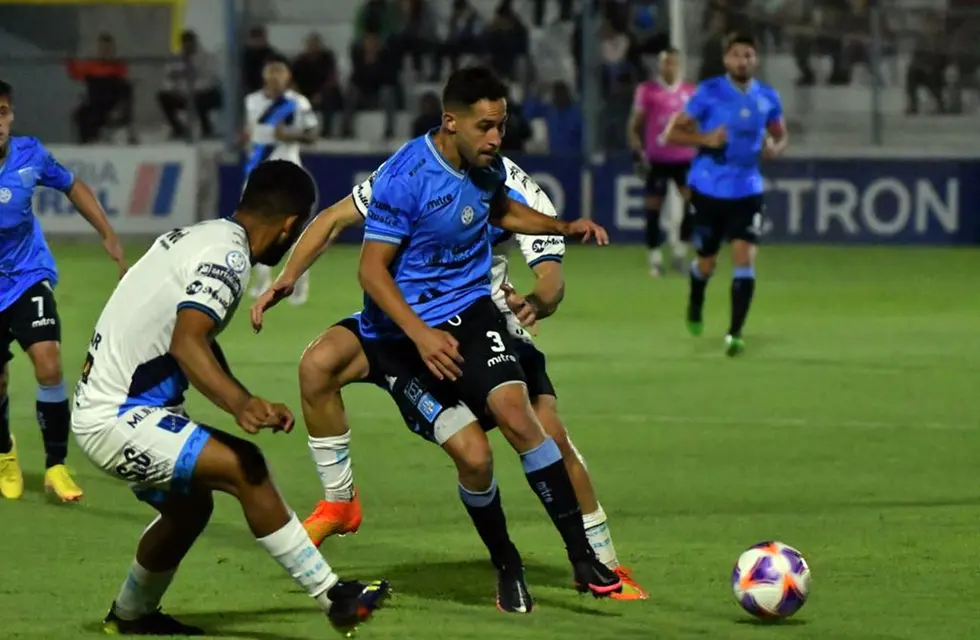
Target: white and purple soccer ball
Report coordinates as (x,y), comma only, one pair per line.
(771,580)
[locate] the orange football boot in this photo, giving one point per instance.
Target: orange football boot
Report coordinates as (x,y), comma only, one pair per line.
(631,590)
(333,519)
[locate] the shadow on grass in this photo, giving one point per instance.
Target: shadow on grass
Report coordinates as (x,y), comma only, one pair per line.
(219,623)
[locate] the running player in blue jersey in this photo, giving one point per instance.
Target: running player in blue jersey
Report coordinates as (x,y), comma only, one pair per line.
(431,326)
(28,314)
(734,120)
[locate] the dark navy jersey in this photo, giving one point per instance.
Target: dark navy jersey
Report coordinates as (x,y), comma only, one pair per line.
(732,171)
(438,217)
(25,258)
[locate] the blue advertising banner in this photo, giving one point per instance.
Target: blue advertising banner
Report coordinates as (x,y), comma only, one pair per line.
(852,201)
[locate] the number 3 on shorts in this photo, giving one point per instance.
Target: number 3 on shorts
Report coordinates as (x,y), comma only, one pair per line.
(498,342)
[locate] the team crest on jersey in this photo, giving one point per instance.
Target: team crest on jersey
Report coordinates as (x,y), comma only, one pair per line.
(745,113)
(468,214)
(236,261)
(5,195)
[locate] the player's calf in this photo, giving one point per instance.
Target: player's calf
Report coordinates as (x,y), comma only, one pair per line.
(702,269)
(743,290)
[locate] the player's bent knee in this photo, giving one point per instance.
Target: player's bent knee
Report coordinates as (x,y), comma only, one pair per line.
(471,453)
(46,358)
(332,361)
(248,465)
(190,512)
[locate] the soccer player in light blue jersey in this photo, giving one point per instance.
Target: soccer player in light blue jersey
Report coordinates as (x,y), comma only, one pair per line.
(28,314)
(734,120)
(437,336)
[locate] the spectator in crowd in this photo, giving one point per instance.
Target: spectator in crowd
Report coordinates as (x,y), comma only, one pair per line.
(927,66)
(616,113)
(564,8)
(713,49)
(563,117)
(465,27)
(257,51)
(417,36)
(372,81)
(825,28)
(380,16)
(108,93)
(430,115)
(315,76)
(506,41)
(192,80)
(614,49)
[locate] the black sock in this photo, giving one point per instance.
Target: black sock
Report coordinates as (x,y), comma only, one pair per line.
(547,475)
(487,515)
(6,444)
(695,301)
(743,287)
(654,234)
(55,420)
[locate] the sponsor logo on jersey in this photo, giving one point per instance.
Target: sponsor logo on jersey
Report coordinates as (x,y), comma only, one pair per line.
(194,287)
(468,214)
(5,195)
(222,274)
(541,244)
(440,201)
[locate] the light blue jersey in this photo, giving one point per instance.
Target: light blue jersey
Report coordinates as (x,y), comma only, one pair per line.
(25,258)
(438,217)
(732,172)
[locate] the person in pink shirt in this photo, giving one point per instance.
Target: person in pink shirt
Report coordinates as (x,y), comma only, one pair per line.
(655,102)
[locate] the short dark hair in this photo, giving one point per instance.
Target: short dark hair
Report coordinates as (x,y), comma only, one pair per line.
(739,38)
(671,51)
(468,86)
(275,58)
(278,189)
(6,90)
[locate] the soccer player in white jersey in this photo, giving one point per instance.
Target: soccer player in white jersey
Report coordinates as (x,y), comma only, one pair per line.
(278,121)
(336,359)
(157,333)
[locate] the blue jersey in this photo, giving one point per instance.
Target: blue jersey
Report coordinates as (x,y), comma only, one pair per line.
(25,258)
(438,217)
(732,171)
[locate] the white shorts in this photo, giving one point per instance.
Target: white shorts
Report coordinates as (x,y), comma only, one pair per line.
(154,448)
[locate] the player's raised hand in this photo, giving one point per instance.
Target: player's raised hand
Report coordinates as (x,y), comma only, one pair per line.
(113,246)
(588,230)
(256,414)
(716,139)
(523,310)
(440,351)
(275,294)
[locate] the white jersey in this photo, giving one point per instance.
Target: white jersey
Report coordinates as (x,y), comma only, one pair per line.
(524,189)
(203,267)
(263,114)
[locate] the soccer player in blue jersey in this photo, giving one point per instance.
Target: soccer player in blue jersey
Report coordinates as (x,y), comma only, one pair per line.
(28,314)
(734,120)
(430,324)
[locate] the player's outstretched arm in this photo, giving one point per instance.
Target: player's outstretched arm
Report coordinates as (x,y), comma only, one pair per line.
(190,346)
(81,196)
(683,130)
(516,217)
(319,235)
(549,289)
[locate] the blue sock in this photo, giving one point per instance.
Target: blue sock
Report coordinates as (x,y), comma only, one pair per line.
(743,288)
(55,418)
(547,476)
(487,514)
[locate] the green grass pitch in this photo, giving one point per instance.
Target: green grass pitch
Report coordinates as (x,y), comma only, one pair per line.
(849,430)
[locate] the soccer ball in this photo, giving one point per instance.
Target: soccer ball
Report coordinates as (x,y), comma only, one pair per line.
(771,580)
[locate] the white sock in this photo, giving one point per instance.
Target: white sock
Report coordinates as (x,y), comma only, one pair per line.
(141,592)
(679,249)
(293,549)
(600,539)
(656,258)
(332,458)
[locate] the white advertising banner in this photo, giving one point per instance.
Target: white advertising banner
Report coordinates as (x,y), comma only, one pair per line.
(143,189)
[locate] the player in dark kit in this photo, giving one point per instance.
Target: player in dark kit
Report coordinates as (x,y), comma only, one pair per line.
(733,120)
(28,313)
(435,334)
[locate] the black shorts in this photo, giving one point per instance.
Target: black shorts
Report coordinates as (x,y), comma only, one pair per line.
(661,174)
(715,220)
(535,368)
(428,404)
(32,318)
(374,371)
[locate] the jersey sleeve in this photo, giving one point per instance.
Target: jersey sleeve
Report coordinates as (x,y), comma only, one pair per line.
(697,107)
(538,249)
(362,192)
(390,210)
(214,280)
(305,116)
(775,114)
(52,173)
